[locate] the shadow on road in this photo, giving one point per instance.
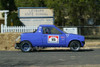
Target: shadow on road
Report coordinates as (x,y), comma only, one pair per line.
(66,50)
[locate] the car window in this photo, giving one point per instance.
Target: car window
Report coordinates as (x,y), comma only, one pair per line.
(50,30)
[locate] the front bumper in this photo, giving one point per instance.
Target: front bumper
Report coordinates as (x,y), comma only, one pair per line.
(82,43)
(17,46)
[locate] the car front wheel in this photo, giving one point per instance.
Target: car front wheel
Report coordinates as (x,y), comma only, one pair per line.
(74,45)
(25,46)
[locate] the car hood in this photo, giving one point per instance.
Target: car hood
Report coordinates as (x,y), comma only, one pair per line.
(74,35)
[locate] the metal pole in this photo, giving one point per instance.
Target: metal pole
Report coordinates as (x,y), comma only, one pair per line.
(5,18)
(1,28)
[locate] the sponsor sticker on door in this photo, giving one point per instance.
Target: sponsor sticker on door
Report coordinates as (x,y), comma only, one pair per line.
(53,39)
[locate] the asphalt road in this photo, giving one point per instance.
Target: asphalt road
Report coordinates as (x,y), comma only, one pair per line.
(52,58)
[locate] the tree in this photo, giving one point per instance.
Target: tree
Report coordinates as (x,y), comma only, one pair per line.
(81,10)
(73,12)
(11,5)
(0,5)
(78,11)
(30,3)
(94,10)
(8,5)
(13,19)
(3,4)
(59,10)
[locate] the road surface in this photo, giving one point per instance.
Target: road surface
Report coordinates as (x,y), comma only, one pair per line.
(52,58)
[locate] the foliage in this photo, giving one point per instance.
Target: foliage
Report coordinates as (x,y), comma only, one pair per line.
(3,4)
(7,5)
(29,3)
(13,20)
(67,12)
(0,5)
(77,11)
(59,10)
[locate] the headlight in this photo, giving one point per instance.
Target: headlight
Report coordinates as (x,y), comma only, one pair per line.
(18,38)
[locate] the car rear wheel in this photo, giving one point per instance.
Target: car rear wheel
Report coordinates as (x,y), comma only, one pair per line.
(26,46)
(74,45)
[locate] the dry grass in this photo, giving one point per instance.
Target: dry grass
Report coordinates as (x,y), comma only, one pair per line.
(92,42)
(7,42)
(88,65)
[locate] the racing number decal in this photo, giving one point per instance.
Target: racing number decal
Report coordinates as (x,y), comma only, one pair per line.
(53,39)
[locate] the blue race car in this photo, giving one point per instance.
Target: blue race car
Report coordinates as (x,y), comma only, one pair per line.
(49,36)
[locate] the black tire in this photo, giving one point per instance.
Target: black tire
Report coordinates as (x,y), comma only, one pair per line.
(26,46)
(74,45)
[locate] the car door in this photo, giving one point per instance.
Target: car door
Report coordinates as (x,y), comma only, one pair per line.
(52,37)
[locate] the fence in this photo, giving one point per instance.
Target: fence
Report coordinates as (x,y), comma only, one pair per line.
(5,29)
(87,31)
(91,32)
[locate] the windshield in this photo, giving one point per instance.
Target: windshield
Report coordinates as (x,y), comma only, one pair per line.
(61,28)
